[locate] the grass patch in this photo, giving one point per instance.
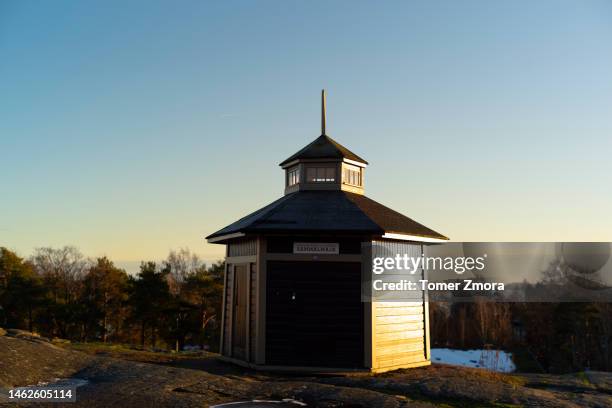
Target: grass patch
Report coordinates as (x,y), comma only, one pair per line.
(132,353)
(476,374)
(584,378)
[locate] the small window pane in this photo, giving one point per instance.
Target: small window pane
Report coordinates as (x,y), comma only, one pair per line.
(320,174)
(352,175)
(330,174)
(311,174)
(293,176)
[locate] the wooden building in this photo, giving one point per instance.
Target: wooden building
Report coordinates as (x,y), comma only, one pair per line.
(293,296)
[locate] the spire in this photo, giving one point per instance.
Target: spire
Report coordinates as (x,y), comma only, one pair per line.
(323,113)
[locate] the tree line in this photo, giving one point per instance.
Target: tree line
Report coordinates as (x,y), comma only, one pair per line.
(58,292)
(556,337)
(559,337)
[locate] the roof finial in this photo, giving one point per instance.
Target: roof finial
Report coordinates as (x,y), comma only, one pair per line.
(323,113)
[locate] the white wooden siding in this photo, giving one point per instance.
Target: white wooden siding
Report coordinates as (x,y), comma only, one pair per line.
(398,327)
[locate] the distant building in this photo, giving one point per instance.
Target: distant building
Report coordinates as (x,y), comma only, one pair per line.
(292,296)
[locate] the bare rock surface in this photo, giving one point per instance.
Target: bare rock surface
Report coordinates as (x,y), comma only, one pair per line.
(119,383)
(466,387)
(130,381)
(30,360)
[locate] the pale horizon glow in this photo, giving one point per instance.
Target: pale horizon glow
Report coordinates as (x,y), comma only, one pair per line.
(131,129)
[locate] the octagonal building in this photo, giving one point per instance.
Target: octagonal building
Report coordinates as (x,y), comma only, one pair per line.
(294,269)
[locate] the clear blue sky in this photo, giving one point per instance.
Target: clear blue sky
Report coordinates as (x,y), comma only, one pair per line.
(130,128)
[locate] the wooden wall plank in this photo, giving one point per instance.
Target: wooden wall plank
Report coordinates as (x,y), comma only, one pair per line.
(260,326)
(399,311)
(399,335)
(229,311)
(404,358)
(399,328)
(395,304)
(253,313)
(401,348)
(223,311)
(390,343)
(249,266)
(391,319)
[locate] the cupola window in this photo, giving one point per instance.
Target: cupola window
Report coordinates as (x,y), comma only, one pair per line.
(293,176)
(321,174)
(352,175)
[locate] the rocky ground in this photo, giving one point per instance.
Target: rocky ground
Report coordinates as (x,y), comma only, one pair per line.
(120,377)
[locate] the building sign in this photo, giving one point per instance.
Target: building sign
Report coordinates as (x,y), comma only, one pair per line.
(331,248)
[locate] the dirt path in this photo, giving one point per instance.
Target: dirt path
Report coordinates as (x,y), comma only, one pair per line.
(207,381)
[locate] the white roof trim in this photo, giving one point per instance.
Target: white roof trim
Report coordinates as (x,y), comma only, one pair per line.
(354,162)
(404,237)
(291,163)
(224,237)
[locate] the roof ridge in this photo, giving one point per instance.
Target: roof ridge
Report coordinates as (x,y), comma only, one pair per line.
(323,147)
(336,145)
(264,210)
(433,233)
(276,208)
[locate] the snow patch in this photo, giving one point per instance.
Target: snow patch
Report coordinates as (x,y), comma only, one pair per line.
(494,360)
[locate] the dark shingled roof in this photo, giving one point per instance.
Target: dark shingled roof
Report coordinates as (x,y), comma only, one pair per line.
(324,147)
(327,211)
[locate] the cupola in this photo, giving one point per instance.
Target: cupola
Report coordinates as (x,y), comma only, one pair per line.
(324,164)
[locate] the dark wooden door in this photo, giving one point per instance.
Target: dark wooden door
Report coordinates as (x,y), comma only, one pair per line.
(314,314)
(239,318)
